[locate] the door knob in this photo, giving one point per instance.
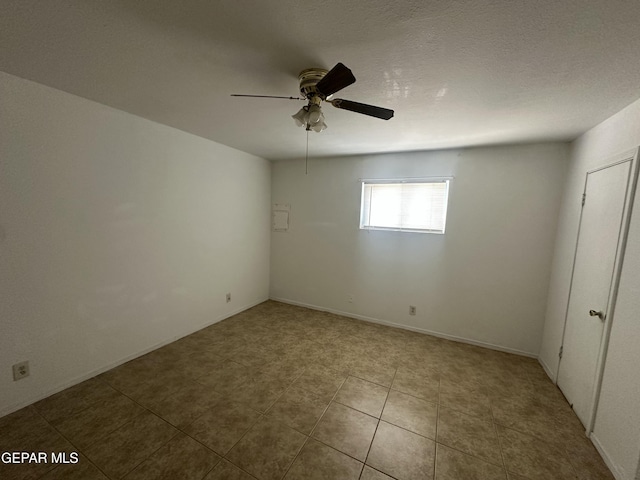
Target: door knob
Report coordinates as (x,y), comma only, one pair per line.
(599,314)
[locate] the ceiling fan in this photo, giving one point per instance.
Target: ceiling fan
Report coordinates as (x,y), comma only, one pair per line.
(318,85)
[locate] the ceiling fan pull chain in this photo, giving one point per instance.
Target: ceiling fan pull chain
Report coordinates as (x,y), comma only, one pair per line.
(306,157)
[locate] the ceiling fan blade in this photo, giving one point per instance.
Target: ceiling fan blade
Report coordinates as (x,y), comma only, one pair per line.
(371,110)
(265,96)
(336,79)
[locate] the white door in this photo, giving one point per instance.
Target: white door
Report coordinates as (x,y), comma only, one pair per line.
(598,239)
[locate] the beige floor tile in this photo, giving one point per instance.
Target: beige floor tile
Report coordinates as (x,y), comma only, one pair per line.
(454,465)
(369,473)
(362,395)
(466,397)
(286,345)
(336,359)
(181,459)
(321,381)
(282,368)
(528,413)
(347,430)
(267,450)
(513,476)
(227,377)
(517,411)
(83,470)
(322,335)
(299,409)
(221,427)
(411,413)
(228,471)
(203,340)
(586,461)
(425,385)
(93,423)
(125,376)
(458,371)
(183,407)
(300,359)
(164,355)
(372,371)
(232,345)
(195,364)
(505,383)
(156,386)
(319,462)
(469,434)
(251,355)
(32,471)
(75,399)
(122,450)
(26,431)
(402,454)
(259,391)
(533,458)
(421,356)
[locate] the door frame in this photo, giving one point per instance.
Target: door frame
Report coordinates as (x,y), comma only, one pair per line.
(632,181)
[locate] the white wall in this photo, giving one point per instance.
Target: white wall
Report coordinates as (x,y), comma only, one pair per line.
(485,280)
(117,234)
(617,428)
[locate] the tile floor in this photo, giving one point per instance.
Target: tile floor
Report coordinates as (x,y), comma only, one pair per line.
(285,392)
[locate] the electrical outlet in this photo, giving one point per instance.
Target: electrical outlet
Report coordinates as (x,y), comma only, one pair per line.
(350,298)
(20,371)
(412,310)
(228,297)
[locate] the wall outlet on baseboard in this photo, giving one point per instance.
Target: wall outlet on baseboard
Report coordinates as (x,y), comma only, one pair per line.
(228,297)
(350,298)
(20,371)
(412,310)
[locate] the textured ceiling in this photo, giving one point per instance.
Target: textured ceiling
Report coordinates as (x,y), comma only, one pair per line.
(457,72)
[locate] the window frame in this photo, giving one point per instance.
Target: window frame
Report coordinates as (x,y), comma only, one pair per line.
(400,181)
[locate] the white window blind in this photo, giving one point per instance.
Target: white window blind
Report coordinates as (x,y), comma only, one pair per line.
(415,206)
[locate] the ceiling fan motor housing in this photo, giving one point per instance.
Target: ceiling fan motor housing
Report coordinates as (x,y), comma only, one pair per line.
(309,78)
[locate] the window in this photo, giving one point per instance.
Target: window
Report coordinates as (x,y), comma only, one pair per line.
(406,205)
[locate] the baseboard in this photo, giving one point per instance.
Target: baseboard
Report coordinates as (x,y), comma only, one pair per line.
(446,336)
(607,459)
(98,371)
(547,370)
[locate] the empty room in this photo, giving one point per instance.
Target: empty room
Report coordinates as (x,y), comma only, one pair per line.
(319,240)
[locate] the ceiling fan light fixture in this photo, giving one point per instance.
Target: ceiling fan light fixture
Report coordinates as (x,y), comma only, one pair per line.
(320,126)
(311,118)
(302,117)
(315,114)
